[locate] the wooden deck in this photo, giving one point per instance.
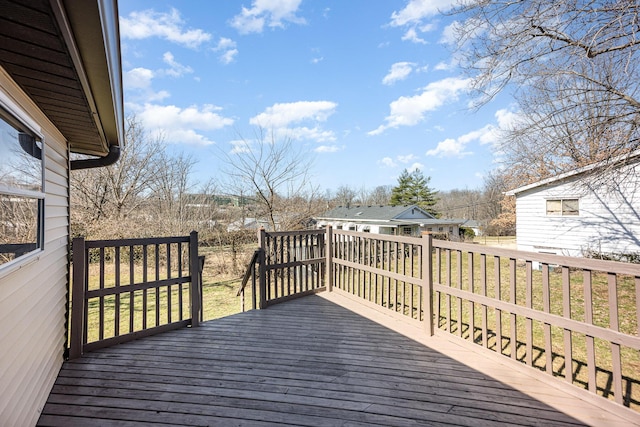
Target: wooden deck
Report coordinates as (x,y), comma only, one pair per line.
(314,361)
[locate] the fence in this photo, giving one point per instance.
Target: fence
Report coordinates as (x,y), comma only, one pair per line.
(573,318)
(288,264)
(126,289)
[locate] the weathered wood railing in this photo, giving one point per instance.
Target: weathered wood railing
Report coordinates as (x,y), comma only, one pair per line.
(131,288)
(390,272)
(287,264)
(569,317)
(251,273)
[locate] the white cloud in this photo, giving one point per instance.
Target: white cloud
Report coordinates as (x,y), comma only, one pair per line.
(410,110)
(327,149)
(415,166)
(229,56)
(138,78)
(300,133)
(488,134)
(273,13)
(399,71)
(169,26)
(291,120)
(240,146)
(137,82)
(449,148)
(181,125)
(176,69)
(412,36)
(417,10)
(414,14)
(444,66)
(406,159)
(228,49)
(225,44)
(284,114)
(388,162)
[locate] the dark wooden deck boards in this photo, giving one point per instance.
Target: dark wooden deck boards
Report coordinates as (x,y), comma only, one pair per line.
(307,362)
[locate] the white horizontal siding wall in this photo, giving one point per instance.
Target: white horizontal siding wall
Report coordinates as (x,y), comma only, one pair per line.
(609,219)
(33,296)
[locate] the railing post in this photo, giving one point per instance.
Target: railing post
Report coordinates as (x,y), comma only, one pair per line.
(329,258)
(194,267)
(201,260)
(427,283)
(262,269)
(77,298)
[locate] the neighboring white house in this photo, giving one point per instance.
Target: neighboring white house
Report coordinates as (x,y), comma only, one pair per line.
(582,212)
(60,93)
(407,220)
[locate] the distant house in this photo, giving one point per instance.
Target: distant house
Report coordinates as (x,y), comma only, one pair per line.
(580,212)
(60,93)
(473,225)
(407,220)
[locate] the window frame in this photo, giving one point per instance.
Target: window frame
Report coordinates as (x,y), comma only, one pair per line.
(16,118)
(562,212)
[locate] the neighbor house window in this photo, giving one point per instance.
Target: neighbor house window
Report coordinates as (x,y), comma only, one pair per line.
(562,207)
(21,189)
(406,231)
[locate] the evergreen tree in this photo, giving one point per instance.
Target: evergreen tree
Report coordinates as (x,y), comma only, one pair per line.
(413,189)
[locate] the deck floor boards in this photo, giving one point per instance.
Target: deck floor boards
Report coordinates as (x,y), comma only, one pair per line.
(307,362)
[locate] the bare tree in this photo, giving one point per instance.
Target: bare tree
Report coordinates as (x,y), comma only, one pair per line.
(345,196)
(115,193)
(146,192)
(272,170)
(574,67)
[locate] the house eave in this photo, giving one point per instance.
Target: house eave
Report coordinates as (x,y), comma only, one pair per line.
(65,54)
(633,156)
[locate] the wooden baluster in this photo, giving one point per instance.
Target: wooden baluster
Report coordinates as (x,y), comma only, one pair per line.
(546,306)
(588,318)
(615,348)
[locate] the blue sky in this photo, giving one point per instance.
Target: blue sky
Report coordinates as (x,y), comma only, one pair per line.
(367,87)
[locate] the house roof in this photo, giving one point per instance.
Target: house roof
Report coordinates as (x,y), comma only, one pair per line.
(384,215)
(65,54)
(370,213)
(629,158)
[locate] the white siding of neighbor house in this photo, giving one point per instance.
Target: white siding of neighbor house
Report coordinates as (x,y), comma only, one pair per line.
(33,292)
(608,220)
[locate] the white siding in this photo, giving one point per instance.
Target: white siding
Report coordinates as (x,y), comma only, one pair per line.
(609,219)
(33,297)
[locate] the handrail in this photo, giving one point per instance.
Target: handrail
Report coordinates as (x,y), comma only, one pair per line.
(249,272)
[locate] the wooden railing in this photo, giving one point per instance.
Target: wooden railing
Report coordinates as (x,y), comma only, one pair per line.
(573,318)
(251,273)
(390,272)
(287,264)
(126,289)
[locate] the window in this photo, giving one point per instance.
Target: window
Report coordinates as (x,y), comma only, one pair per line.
(21,189)
(406,231)
(563,207)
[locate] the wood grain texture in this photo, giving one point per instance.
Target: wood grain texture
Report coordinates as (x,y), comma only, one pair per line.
(308,362)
